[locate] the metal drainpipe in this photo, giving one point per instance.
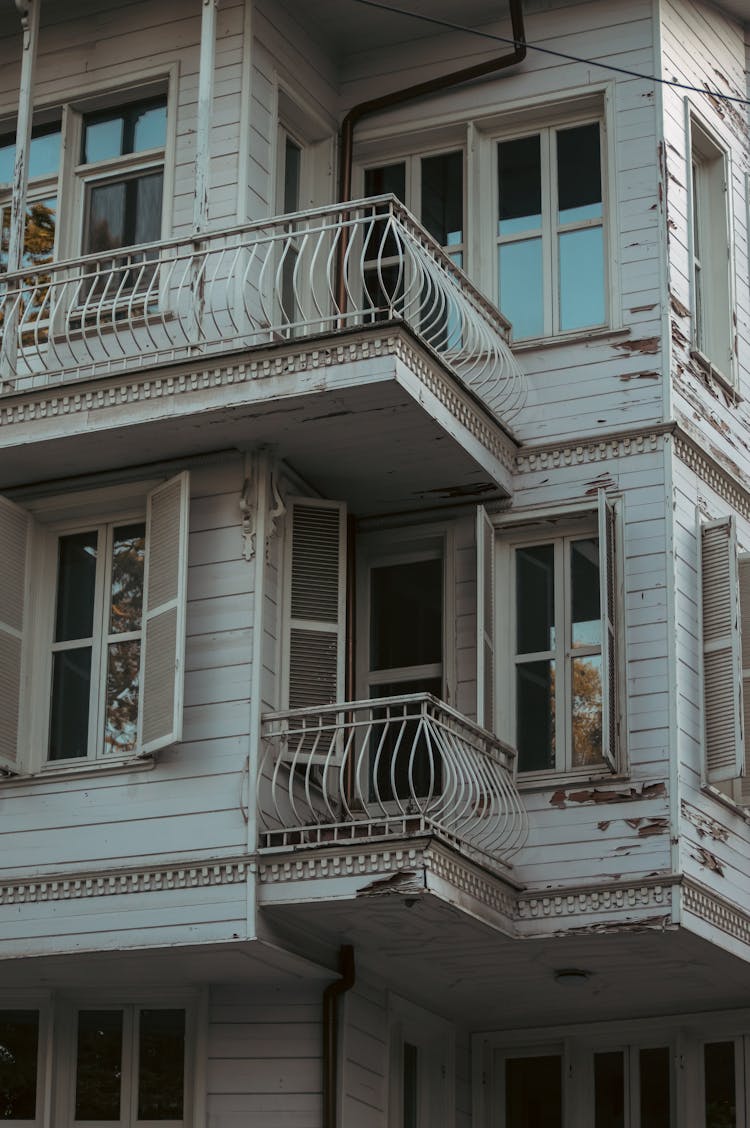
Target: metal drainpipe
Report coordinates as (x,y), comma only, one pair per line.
(331,1032)
(419,90)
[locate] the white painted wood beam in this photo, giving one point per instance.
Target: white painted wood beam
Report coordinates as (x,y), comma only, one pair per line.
(205,110)
(29,12)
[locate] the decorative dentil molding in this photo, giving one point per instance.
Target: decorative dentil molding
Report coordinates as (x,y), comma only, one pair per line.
(704,903)
(579,453)
(118,882)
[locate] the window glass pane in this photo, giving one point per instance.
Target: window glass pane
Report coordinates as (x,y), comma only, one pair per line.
(655,1096)
(145,226)
(535,716)
(579,181)
(19,1041)
(103,139)
(292,163)
(521,286)
(609,1090)
(99,1065)
(582,296)
(406,614)
(587,710)
(535,599)
(69,720)
(149,127)
(128,556)
(161,1064)
(410,1085)
(533,1092)
(106,218)
(584,570)
(44,154)
(76,579)
(387,178)
(442,208)
(519,179)
(123,665)
(718,1060)
(39,238)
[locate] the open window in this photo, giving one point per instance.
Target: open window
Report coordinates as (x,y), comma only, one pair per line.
(101,675)
(561,674)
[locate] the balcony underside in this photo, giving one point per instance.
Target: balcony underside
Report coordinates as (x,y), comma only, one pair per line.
(369,416)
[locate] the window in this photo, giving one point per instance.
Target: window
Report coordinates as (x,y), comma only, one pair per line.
(122,168)
(561,679)
(19,1064)
(41,199)
(551,239)
(711,252)
(129,1066)
(99,676)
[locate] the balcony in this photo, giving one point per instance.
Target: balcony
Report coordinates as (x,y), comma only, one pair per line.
(301,276)
(384,770)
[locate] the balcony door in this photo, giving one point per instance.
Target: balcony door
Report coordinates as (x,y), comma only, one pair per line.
(400,652)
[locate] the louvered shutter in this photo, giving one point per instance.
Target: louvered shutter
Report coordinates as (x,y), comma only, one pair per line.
(317,607)
(485,620)
(743,568)
(722,671)
(608,599)
(165,584)
(15,535)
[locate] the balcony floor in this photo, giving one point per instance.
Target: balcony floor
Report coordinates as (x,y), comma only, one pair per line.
(368,416)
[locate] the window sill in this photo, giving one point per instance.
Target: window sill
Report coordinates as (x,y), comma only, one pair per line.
(79,769)
(713,373)
(726,801)
(548,781)
(577,337)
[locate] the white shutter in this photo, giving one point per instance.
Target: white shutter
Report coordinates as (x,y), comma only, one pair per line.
(165,585)
(15,535)
(608,598)
(744,585)
(485,620)
(722,671)
(316,631)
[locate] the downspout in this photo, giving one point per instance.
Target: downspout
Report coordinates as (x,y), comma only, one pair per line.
(331,1032)
(395,98)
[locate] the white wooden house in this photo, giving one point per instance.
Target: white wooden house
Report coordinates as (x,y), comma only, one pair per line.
(375,548)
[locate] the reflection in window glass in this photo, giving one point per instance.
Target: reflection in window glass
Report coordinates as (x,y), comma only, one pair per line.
(718,1063)
(587,710)
(121,717)
(521,286)
(519,179)
(584,566)
(128,558)
(533,1092)
(535,599)
(129,129)
(406,614)
(609,1090)
(582,296)
(44,154)
(19,1043)
(99,1065)
(161,1064)
(442,209)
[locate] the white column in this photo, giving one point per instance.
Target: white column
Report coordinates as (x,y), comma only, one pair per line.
(29,11)
(205,108)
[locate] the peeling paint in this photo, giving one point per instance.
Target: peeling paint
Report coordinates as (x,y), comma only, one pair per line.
(625,376)
(705,858)
(680,309)
(646,345)
(659,923)
(704,824)
(643,308)
(562,797)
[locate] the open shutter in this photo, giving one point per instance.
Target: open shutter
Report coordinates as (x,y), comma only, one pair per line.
(15,534)
(317,609)
(722,670)
(485,620)
(163,654)
(743,567)
(608,598)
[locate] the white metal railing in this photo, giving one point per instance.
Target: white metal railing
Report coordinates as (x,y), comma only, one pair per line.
(314,272)
(390,767)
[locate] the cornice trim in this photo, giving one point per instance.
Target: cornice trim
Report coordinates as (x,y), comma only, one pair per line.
(116,882)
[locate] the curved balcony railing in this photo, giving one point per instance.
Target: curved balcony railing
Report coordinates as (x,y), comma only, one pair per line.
(393,767)
(315,272)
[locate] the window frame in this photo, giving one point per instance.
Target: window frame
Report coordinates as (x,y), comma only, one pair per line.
(710,248)
(49,517)
(41,1001)
(434,1039)
(551,228)
(561,527)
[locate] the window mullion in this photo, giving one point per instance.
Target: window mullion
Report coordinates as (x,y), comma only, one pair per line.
(549,233)
(129,1091)
(99,646)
